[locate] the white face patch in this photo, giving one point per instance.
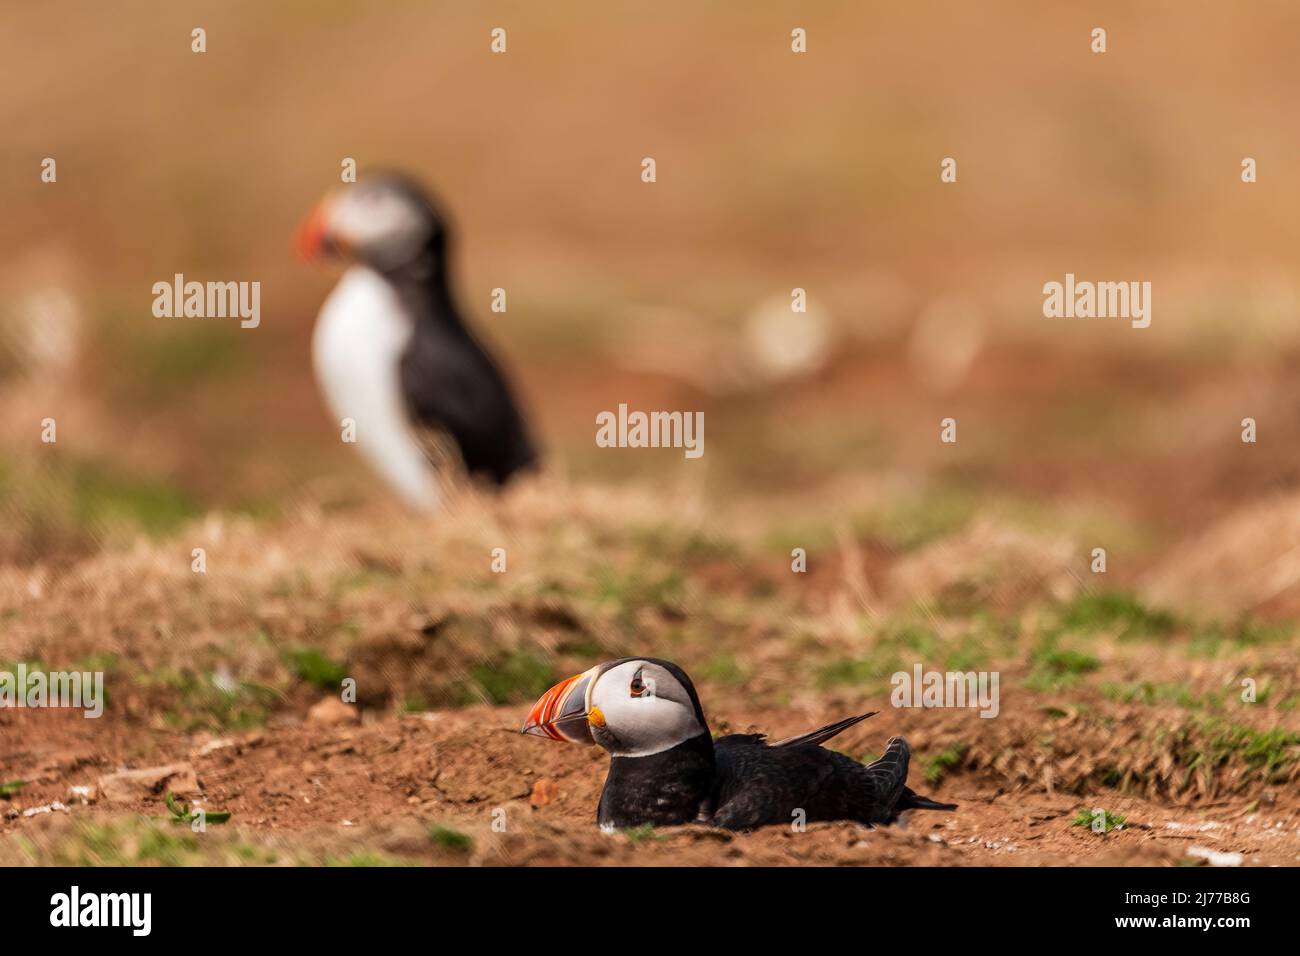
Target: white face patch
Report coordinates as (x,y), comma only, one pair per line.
(646,710)
(379,224)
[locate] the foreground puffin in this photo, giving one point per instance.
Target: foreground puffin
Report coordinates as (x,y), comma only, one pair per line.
(390,350)
(666,769)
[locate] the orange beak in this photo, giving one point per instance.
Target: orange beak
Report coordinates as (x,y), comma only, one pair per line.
(312,237)
(564,711)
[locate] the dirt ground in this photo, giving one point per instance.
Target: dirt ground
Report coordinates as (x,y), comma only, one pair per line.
(368,794)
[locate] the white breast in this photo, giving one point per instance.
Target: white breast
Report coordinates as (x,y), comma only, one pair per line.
(360,335)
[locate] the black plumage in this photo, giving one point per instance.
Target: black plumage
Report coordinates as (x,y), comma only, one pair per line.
(740,781)
(759,784)
(667,788)
(447,377)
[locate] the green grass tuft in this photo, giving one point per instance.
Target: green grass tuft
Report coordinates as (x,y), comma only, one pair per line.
(1052,668)
(1115,612)
(450,839)
(941,763)
(312,666)
(640,834)
(520,677)
(1106,820)
(181,813)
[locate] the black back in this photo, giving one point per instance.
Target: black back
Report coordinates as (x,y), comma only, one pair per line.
(447,377)
(739,782)
(758,784)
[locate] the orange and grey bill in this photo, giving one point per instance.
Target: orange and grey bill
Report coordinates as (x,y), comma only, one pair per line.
(312,234)
(561,713)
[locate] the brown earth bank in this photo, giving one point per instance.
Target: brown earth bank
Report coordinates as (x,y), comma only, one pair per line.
(231,679)
(466,788)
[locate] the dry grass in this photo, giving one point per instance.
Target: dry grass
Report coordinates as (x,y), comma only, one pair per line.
(1103,698)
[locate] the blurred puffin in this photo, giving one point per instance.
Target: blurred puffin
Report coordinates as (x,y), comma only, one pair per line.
(666,769)
(390,350)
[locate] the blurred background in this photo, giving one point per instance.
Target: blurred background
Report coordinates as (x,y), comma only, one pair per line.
(775,170)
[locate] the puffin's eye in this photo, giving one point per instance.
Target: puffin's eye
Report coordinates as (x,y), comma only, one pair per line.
(638,687)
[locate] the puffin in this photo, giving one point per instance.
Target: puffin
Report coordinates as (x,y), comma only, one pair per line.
(665,767)
(391,351)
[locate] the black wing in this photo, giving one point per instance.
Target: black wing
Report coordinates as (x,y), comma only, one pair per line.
(758,784)
(887,776)
(823,734)
(450,383)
